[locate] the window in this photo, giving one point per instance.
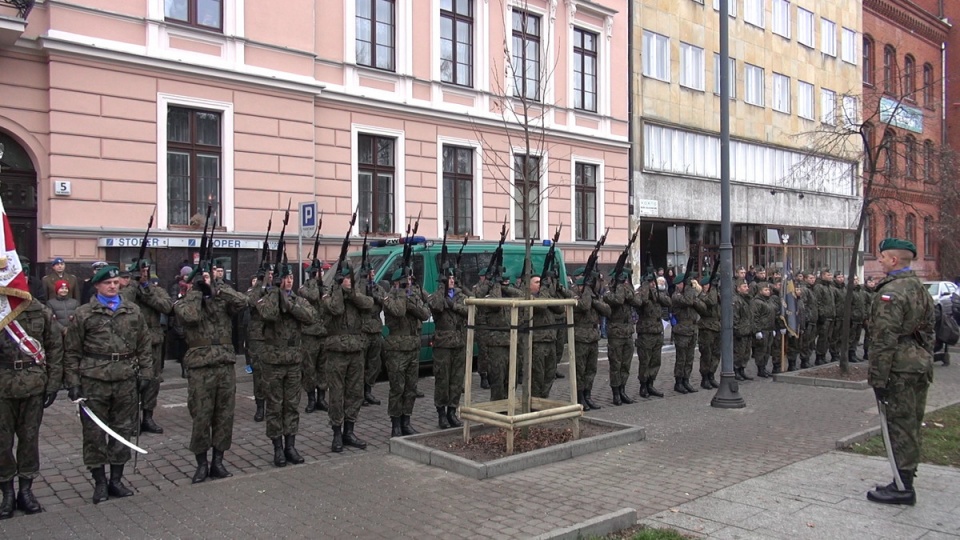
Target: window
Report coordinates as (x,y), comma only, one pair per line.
(868,234)
(456,42)
(910,157)
(910,228)
(890,225)
(848,46)
(376,25)
(206,14)
(929,161)
(753,85)
(194,149)
(376,169)
(781,93)
(526,178)
(458,189)
(731,70)
(753,12)
(888,145)
(870,151)
(691,66)
(805,27)
(889,69)
(851,111)
(828,106)
(805,100)
(584,70)
(586,201)
(656,56)
(869,67)
(781,18)
(731,7)
(909,78)
(928,86)
(828,37)
(526,55)
(928,238)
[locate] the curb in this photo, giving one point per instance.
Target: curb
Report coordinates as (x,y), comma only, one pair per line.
(791,378)
(598,526)
(860,436)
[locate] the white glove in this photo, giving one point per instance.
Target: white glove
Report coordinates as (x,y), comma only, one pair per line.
(759,335)
(783,331)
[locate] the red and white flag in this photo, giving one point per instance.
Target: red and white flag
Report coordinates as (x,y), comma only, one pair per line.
(14,293)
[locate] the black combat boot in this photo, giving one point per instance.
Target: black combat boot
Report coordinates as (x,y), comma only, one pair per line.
(852,357)
(203,469)
(821,360)
(705,381)
(644,393)
(891,495)
(624,397)
(350,439)
(762,372)
(738,374)
(311,402)
(25,499)
(368,396)
(588,399)
(678,386)
(337,444)
(686,386)
(442,417)
(559,375)
(615,390)
(776,367)
(792,364)
(484,381)
(9,499)
(115,487)
(452,417)
(279,460)
(652,390)
(258,416)
(321,400)
(713,382)
(395,427)
(147,425)
(581,401)
(804,361)
(405,426)
(217,470)
(100,492)
(290,450)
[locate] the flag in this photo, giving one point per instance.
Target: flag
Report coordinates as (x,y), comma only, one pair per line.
(14,293)
(788,300)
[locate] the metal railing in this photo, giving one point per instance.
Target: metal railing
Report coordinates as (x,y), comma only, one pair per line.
(23,6)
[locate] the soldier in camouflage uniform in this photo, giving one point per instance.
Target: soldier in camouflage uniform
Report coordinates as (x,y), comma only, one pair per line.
(283,313)
(345,344)
(765,308)
(543,367)
(255,346)
(759,278)
(449,342)
(811,314)
(26,388)
(206,313)
(839,298)
(586,320)
(558,290)
(687,308)
(154,302)
(826,312)
(482,335)
(372,327)
(901,361)
(870,288)
(314,361)
(652,300)
(404,312)
(496,341)
(743,333)
(620,346)
(858,312)
(107,350)
(709,334)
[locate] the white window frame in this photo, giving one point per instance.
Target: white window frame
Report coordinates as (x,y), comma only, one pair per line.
(399,199)
(402,32)
(225,108)
(716,76)
(781,18)
(692,66)
(659,70)
(481,46)
(850,107)
(805,100)
(806,31)
(758,73)
(544,185)
(828,106)
(848,45)
(547,53)
(477,180)
(753,12)
(601,216)
(781,93)
(828,37)
(731,7)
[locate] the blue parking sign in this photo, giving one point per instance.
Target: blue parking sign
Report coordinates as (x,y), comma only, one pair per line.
(308,218)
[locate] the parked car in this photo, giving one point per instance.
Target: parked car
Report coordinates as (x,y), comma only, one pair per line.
(942,291)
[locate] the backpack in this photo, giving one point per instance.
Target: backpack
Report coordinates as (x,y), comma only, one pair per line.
(947,329)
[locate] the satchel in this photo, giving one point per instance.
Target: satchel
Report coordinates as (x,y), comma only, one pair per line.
(947,330)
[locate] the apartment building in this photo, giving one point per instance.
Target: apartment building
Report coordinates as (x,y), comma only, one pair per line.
(443,109)
(795,84)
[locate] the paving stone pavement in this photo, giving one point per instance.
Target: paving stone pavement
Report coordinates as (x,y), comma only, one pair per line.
(692,450)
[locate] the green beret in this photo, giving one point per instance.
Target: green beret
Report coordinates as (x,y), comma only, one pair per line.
(286,270)
(679,278)
(346,271)
(446,273)
(125,273)
(143,263)
(739,282)
(107,272)
(758,269)
(482,272)
(625,272)
(397,274)
(578,271)
(580,281)
(897,243)
(218,263)
(705,280)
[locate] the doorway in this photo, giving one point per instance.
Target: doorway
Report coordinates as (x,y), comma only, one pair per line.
(18,189)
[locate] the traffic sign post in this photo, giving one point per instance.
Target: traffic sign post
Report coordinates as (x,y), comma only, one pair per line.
(308,227)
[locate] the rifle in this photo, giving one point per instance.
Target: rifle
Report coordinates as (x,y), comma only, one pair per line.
(344,247)
(146,235)
(266,243)
(208,255)
(316,243)
(497,257)
(592,259)
(622,260)
(460,253)
(281,247)
(363,253)
(714,275)
(549,261)
(408,244)
(203,246)
(443,247)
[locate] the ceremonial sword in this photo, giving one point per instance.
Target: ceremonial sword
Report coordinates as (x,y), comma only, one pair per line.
(882,407)
(106,429)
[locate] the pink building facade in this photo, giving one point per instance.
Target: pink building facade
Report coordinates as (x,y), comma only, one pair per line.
(396,107)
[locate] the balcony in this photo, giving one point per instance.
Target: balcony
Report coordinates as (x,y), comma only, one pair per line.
(13,20)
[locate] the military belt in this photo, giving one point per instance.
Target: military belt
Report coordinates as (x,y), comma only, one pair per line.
(292,342)
(208,342)
(17,364)
(114,357)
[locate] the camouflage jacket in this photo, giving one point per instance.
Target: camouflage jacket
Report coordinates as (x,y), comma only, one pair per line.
(282,314)
(742,315)
(153,302)
(687,308)
(650,311)
(858,309)
(312,291)
(346,309)
(32,379)
(839,297)
(404,313)
(495,319)
(809,299)
(545,316)
(765,311)
(255,327)
(711,301)
(586,316)
(826,304)
(902,328)
(449,318)
(97,334)
(622,302)
(207,325)
(372,323)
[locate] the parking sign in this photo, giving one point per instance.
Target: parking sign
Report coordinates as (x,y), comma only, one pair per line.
(308,218)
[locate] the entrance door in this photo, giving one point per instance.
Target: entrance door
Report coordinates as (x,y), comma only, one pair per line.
(18,188)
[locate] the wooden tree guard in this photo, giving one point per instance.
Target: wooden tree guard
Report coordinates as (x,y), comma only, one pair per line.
(503,413)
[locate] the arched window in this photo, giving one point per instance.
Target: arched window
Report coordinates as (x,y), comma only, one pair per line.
(868,62)
(889,69)
(928,238)
(928,88)
(910,228)
(890,225)
(868,244)
(910,157)
(870,153)
(888,149)
(910,78)
(929,161)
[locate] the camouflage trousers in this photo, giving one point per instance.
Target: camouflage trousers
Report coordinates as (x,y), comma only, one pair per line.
(20,418)
(808,341)
(905,407)
(314,363)
(371,360)
(762,348)
(686,347)
(345,384)
(836,336)
(741,350)
(116,404)
(560,342)
(649,351)
(211,399)
(620,354)
(854,340)
(403,370)
(824,334)
(543,368)
(449,365)
(255,348)
(709,351)
(586,364)
(498,361)
(149,397)
(282,385)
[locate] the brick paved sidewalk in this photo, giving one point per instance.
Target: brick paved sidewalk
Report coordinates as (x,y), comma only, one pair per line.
(692,450)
